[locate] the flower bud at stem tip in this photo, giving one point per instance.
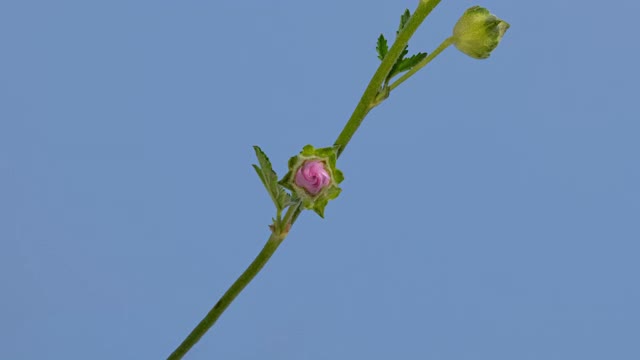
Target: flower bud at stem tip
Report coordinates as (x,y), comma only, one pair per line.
(478,32)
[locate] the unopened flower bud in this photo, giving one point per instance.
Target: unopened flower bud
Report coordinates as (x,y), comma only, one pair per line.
(313,177)
(478,32)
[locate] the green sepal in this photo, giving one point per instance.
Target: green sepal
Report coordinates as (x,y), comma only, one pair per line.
(281,199)
(338,176)
(318,202)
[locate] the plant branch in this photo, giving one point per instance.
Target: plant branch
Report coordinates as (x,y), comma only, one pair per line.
(362,109)
(445,44)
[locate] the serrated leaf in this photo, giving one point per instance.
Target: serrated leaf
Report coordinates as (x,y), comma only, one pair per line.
(265,166)
(382,47)
(403,20)
(408,63)
(394,69)
(404,53)
(259,172)
(269,178)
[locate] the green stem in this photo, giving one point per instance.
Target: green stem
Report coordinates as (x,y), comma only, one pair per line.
(258,263)
(445,44)
(362,109)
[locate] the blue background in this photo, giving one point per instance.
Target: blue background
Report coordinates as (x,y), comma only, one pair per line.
(491,209)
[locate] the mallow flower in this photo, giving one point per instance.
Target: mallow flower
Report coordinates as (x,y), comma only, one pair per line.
(313,177)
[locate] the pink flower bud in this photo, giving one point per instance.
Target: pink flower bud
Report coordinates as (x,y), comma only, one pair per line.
(312,176)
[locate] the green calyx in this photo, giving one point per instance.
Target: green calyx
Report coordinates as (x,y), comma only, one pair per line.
(327,156)
(478,32)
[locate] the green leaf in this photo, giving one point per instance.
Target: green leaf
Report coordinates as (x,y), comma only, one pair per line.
(403,20)
(408,63)
(382,47)
(266,171)
(281,199)
(259,172)
(404,53)
(394,69)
